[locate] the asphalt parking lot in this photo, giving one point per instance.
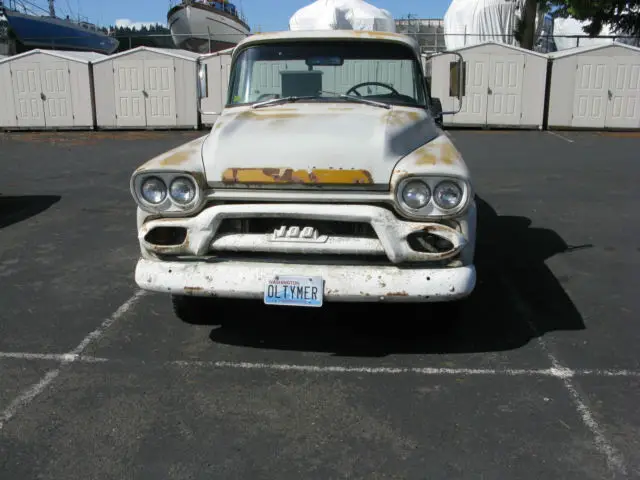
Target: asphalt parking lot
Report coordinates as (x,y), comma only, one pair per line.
(539,379)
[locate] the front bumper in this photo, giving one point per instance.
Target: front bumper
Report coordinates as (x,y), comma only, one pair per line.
(342,283)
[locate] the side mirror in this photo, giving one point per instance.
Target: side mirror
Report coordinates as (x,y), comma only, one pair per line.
(203,84)
(436,111)
(461,78)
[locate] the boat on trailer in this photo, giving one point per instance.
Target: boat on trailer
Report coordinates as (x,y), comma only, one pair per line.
(205,26)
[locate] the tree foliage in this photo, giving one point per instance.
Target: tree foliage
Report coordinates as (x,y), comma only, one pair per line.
(622,17)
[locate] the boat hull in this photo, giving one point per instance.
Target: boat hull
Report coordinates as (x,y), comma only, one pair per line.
(200,29)
(54,33)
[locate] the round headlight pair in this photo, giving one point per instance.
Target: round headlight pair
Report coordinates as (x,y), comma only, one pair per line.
(416,194)
(182,190)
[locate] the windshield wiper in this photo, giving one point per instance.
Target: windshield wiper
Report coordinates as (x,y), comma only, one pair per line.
(360,99)
(275,101)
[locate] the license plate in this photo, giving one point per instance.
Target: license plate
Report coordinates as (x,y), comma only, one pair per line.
(294,291)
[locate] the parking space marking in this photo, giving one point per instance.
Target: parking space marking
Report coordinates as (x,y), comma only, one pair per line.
(28,395)
(566,139)
(52,357)
(554,372)
(615,460)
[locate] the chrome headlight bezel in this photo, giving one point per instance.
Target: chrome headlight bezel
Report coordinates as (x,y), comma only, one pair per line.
(169,205)
(432,210)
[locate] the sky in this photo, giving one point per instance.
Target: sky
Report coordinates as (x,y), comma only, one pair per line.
(262,15)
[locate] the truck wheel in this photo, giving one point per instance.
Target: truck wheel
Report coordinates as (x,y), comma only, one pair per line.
(191,310)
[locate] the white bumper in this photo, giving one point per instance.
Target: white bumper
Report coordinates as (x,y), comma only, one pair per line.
(346,283)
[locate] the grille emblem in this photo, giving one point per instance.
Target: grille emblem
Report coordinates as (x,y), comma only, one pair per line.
(296,234)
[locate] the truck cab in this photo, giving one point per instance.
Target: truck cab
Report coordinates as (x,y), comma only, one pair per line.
(326,178)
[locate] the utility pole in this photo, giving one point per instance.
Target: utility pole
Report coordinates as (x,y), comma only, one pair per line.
(529,24)
(52,8)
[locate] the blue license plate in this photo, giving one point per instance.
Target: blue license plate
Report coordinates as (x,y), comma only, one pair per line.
(294,291)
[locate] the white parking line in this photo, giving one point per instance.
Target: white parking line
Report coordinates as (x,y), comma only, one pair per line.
(615,461)
(27,396)
(554,372)
(52,357)
(566,139)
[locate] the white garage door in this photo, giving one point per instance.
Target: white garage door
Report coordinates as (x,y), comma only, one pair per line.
(591,92)
(473,110)
(623,110)
(27,94)
(145,93)
(56,89)
(129,97)
(504,106)
(160,92)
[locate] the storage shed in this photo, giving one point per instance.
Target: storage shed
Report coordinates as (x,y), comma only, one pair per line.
(47,89)
(595,87)
(502,86)
(147,88)
(218,68)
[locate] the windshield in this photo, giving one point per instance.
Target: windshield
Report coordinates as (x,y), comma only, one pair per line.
(378,71)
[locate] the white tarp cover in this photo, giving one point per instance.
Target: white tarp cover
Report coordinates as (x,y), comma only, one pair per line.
(482,21)
(342,15)
(571,26)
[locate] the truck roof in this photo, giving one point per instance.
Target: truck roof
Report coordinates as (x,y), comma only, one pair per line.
(344,35)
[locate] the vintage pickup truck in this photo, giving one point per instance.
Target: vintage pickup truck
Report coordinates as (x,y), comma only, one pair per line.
(327,177)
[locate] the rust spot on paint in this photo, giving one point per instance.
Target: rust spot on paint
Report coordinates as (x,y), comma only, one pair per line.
(400,119)
(439,151)
(425,156)
(178,158)
(193,289)
(397,294)
(279,114)
(288,175)
(375,34)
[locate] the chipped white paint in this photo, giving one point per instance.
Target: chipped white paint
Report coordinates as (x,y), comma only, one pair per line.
(330,245)
(308,136)
(28,395)
(390,230)
(347,283)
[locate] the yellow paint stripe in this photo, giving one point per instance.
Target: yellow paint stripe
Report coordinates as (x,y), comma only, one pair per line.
(289,176)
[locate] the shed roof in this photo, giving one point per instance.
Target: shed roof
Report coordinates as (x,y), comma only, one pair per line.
(226,51)
(173,52)
(83,57)
(590,48)
(500,44)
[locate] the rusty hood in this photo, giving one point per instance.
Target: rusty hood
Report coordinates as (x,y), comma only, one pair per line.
(313,144)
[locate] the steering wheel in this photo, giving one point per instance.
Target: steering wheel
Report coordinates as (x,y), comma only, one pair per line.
(379,84)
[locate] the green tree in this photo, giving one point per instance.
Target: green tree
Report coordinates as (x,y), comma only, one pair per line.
(622,17)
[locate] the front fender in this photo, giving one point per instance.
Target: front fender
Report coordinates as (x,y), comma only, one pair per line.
(438,157)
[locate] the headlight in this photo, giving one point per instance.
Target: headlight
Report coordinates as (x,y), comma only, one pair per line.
(416,194)
(447,195)
(182,190)
(154,190)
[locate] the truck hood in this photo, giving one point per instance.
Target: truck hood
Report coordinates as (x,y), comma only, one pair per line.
(313,144)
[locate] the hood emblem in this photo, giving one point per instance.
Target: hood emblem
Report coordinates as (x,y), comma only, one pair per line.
(296,234)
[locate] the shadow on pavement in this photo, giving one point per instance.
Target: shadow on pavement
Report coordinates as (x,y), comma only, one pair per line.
(17,209)
(509,251)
